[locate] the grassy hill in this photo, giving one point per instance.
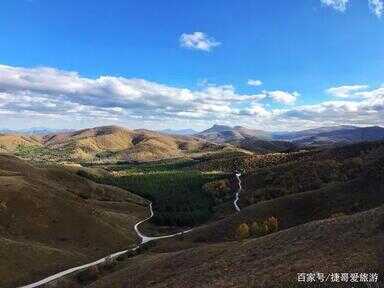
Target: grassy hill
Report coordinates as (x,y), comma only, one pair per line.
(327,206)
(112,143)
(338,135)
(51,219)
(330,218)
(10,142)
(349,243)
(343,180)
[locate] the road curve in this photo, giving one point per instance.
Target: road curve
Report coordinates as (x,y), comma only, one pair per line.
(143,237)
(237,197)
(146,239)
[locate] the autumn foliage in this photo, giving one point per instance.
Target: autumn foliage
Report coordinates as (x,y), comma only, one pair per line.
(243,231)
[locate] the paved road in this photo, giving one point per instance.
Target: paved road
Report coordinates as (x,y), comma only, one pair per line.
(144,239)
(237,197)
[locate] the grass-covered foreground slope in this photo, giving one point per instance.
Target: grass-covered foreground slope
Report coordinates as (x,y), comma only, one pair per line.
(51,219)
(350,243)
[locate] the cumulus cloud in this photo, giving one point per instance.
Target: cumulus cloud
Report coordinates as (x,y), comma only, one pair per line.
(282,96)
(377,7)
(339,5)
(345,91)
(198,41)
(367,111)
(252,82)
(55,95)
(48,90)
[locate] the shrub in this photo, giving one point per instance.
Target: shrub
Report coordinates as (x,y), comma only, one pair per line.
(271,224)
(258,229)
(242,231)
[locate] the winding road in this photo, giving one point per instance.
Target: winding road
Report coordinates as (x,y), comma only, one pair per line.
(143,237)
(237,197)
(146,239)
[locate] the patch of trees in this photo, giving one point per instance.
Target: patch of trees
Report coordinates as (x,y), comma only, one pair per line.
(178,197)
(257,228)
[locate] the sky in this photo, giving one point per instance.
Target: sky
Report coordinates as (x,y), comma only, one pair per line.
(273,65)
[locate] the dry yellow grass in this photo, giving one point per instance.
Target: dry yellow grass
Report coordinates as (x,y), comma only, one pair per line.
(348,244)
(9,142)
(125,144)
(51,219)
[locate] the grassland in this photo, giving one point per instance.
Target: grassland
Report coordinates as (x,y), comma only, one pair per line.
(327,205)
(52,219)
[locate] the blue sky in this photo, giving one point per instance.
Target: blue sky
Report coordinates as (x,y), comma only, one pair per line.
(188,63)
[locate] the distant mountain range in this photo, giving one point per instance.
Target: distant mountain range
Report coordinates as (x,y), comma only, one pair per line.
(264,141)
(145,145)
(35,131)
(179,132)
(332,135)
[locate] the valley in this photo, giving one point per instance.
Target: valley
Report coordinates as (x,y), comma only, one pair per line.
(191,144)
(208,211)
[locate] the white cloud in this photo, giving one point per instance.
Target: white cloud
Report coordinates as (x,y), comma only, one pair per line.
(52,97)
(377,7)
(257,110)
(47,90)
(255,82)
(198,41)
(282,96)
(367,111)
(339,5)
(345,91)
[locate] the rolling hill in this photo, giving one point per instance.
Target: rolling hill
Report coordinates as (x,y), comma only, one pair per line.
(257,141)
(260,141)
(10,142)
(301,134)
(338,135)
(328,204)
(329,207)
(51,219)
(227,134)
(349,243)
(109,143)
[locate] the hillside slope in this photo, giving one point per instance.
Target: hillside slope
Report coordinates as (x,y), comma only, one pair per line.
(351,243)
(51,219)
(9,142)
(117,143)
(227,134)
(333,135)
